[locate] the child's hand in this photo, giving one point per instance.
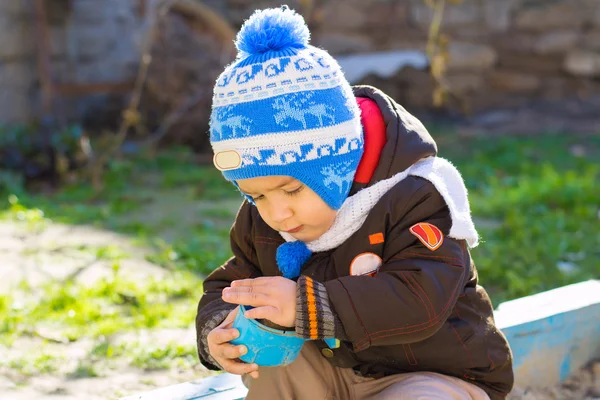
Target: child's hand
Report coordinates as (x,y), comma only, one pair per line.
(227,354)
(274,298)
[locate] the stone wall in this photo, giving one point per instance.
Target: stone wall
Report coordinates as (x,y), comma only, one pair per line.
(90,41)
(504,53)
(16,69)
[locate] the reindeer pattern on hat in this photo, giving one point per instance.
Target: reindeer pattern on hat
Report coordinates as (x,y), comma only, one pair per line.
(339,174)
(297,107)
(224,118)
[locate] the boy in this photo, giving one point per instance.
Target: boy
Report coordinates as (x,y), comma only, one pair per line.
(352,229)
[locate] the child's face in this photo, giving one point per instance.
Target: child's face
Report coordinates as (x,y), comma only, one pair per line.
(287,205)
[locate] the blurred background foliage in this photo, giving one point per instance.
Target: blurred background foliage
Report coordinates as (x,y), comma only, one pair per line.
(535,200)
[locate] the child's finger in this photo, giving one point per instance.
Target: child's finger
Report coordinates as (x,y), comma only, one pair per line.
(263,289)
(249,298)
(260,281)
(265,312)
(221,336)
(242,282)
(237,367)
(254,374)
(231,352)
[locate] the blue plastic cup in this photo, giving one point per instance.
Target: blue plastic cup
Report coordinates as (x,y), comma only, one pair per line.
(267,347)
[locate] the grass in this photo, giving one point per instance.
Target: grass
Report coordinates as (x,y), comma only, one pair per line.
(130,203)
(35,364)
(148,356)
(535,200)
(161,357)
(104,308)
(541,195)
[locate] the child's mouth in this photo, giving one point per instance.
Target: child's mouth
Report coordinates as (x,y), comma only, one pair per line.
(295,230)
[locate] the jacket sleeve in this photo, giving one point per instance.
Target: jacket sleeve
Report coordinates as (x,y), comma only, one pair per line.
(415,289)
(212,310)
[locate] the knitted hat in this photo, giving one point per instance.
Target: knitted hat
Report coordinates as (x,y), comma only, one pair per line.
(283,107)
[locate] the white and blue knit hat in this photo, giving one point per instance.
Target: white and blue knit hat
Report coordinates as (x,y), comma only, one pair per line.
(283,107)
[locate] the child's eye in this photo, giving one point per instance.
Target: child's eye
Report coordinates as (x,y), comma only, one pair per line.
(258,198)
(295,191)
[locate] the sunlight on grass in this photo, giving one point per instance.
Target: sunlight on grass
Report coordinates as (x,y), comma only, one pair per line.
(161,356)
(148,356)
(544,200)
(106,307)
(35,363)
(85,369)
(538,203)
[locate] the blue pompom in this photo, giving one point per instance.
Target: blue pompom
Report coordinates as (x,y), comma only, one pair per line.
(272,29)
(290,258)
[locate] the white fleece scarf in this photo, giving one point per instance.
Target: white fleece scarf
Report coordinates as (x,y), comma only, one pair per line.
(353,213)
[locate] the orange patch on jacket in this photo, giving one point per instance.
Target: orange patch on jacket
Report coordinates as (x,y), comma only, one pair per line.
(430,235)
(376,238)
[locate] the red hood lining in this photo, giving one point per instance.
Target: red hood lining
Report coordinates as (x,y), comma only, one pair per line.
(374,139)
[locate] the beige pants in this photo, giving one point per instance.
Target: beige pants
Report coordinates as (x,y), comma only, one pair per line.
(312,377)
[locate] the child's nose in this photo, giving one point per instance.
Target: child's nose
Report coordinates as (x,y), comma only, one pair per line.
(280,212)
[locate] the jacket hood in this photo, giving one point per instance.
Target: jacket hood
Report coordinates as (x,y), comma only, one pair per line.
(407,140)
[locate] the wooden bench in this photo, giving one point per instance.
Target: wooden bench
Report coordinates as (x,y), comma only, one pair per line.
(552,335)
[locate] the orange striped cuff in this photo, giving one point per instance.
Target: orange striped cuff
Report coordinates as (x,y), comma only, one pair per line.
(315,318)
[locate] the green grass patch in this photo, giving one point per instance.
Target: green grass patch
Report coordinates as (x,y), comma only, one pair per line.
(153,198)
(164,356)
(85,369)
(542,196)
(147,355)
(102,309)
(205,251)
(35,363)
(128,183)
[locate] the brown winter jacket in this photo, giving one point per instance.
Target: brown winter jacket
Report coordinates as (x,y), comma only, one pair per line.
(421,311)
